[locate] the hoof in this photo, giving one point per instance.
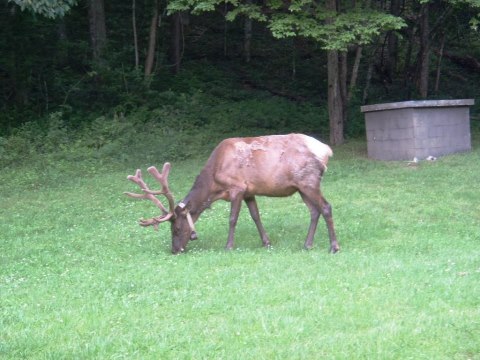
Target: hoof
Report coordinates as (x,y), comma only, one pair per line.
(334,249)
(178,252)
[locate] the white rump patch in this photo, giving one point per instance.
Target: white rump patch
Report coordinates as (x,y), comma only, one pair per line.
(321,151)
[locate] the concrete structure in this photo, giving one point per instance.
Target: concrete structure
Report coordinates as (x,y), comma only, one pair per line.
(404,130)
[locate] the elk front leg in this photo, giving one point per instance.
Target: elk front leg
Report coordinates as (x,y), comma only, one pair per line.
(236,204)
(253,208)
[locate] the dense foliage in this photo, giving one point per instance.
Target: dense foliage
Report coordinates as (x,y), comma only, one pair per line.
(170,130)
(66,84)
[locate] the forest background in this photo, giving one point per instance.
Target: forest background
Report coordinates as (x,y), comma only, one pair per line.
(97,76)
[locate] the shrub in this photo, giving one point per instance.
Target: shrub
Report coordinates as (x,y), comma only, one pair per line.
(180,126)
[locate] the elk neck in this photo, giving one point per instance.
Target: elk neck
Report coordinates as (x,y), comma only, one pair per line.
(200,196)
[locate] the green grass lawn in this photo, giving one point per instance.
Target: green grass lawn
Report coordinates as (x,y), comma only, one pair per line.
(79,279)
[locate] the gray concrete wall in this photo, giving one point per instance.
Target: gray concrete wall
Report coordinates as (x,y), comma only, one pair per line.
(402,131)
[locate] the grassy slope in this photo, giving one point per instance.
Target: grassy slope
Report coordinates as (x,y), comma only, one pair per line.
(79,279)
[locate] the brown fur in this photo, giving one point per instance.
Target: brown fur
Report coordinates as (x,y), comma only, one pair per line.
(241,168)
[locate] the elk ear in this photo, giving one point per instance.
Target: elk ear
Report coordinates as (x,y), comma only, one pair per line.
(182,208)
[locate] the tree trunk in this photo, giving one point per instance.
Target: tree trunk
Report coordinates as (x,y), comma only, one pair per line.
(176,48)
(368,78)
(354,76)
(392,42)
(152,41)
(62,53)
(247,42)
(439,63)
(294,59)
(335,103)
(409,69)
(248,39)
(135,37)
(335,97)
(424,55)
(62,29)
(98,31)
(343,75)
(342,78)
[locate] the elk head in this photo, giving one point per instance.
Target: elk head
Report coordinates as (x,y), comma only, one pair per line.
(182,225)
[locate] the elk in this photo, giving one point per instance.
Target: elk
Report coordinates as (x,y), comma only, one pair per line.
(239,169)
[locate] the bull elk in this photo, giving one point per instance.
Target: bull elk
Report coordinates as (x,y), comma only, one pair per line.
(239,169)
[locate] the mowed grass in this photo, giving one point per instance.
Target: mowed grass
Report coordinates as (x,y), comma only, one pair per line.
(79,279)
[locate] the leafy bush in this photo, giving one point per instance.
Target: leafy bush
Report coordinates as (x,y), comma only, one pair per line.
(182,125)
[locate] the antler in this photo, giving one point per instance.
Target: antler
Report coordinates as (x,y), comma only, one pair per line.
(148,194)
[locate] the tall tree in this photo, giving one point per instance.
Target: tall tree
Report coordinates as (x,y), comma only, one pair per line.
(135,36)
(313,19)
(427,20)
(152,40)
(424,53)
(355,68)
(336,101)
(176,41)
(98,29)
(247,41)
(392,41)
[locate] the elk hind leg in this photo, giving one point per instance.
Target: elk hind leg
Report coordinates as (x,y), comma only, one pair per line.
(317,205)
(314,216)
(254,213)
(326,209)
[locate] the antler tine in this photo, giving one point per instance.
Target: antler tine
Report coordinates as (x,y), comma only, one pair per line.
(162,178)
(147,193)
